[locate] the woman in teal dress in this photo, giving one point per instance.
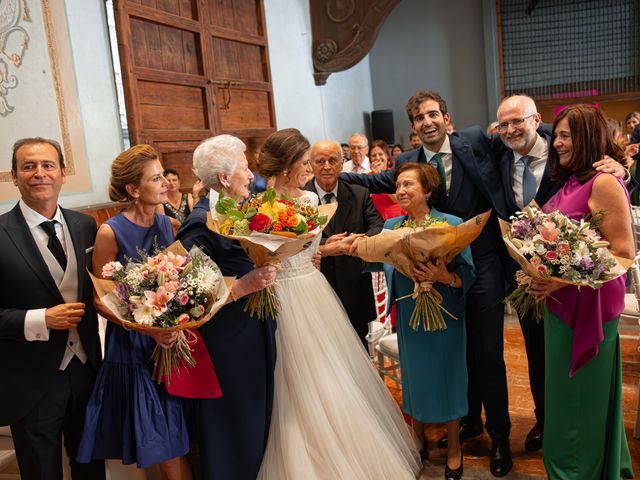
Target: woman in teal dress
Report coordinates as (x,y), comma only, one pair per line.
(584,434)
(433,364)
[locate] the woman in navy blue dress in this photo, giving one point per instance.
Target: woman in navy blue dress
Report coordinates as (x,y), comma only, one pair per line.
(233,429)
(129,416)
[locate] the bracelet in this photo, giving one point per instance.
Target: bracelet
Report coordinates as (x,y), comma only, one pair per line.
(452,283)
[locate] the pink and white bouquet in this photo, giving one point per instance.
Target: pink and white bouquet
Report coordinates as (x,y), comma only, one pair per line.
(553,246)
(172,290)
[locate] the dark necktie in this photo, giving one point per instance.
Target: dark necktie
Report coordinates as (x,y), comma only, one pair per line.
(326,199)
(436,161)
(54,244)
(528,182)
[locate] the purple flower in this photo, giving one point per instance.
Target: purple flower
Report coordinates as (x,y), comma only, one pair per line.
(521,228)
(586,263)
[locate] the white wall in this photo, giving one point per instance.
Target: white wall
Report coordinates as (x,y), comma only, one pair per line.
(432,45)
(97,99)
(334,110)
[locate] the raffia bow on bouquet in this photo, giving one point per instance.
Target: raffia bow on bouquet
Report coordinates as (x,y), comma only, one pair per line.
(172,291)
(405,247)
(270,230)
(551,246)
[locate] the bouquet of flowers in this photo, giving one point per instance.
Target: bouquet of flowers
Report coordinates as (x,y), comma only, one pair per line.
(553,246)
(413,242)
(173,290)
(270,229)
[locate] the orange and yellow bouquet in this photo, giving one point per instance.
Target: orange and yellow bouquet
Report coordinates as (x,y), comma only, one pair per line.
(270,229)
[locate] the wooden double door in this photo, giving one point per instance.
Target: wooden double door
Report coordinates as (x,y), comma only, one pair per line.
(193,69)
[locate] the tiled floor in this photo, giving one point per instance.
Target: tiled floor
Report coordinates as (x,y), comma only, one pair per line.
(529,465)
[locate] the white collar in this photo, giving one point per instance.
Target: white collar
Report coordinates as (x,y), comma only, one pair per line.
(539,150)
(34,219)
(322,193)
(445,148)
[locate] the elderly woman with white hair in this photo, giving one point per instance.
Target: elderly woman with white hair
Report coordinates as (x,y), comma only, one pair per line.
(232,430)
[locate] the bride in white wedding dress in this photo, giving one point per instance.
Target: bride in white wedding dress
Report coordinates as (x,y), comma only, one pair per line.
(333,417)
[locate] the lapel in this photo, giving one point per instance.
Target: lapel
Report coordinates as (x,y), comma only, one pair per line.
(343,212)
(466,166)
(506,162)
(18,232)
(78,247)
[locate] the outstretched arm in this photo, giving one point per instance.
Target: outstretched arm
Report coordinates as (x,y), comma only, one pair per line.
(376,183)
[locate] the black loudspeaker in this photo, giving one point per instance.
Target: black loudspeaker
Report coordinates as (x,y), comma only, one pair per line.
(382,126)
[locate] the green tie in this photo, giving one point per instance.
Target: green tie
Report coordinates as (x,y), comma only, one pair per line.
(436,161)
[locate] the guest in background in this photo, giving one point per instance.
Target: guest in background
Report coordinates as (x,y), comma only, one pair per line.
(345,151)
(395,152)
(130,416)
(355,214)
(359,148)
(437,394)
(232,430)
(49,346)
(584,429)
(259,183)
(631,121)
(385,203)
(178,204)
(414,138)
(492,129)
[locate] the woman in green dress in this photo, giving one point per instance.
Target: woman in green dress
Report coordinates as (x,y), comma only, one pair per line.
(584,434)
(433,364)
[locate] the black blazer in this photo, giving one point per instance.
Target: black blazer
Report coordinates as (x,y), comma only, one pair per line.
(28,368)
(356,213)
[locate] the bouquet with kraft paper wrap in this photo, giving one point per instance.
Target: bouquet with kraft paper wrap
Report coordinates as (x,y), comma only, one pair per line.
(270,229)
(554,247)
(173,290)
(413,242)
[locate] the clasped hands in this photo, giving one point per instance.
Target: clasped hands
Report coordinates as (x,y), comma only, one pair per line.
(340,244)
(539,288)
(432,271)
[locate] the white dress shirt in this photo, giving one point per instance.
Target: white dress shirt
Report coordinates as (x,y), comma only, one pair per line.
(322,193)
(539,154)
(349,167)
(447,159)
(35,326)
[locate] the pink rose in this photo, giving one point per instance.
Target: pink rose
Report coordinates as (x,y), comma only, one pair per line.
(542,269)
(551,255)
(109,269)
(184,298)
(184,318)
(563,248)
(172,286)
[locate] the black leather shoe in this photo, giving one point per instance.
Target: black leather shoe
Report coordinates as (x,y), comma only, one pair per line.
(467,431)
(500,462)
(456,474)
(533,442)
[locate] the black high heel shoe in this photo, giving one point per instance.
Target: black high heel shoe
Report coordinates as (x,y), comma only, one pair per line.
(456,474)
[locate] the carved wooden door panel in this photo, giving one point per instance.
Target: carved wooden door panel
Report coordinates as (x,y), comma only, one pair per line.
(192,69)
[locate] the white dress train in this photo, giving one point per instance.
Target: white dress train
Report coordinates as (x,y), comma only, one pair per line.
(333,417)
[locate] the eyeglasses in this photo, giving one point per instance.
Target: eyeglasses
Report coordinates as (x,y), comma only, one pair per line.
(358,147)
(516,123)
(319,162)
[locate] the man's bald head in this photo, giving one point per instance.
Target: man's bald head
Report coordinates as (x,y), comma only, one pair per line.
(326,161)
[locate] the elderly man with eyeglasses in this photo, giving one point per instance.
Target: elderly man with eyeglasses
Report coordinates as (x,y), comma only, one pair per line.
(358,148)
(355,216)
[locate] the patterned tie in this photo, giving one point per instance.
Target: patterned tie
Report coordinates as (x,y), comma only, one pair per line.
(528,181)
(326,199)
(436,162)
(54,244)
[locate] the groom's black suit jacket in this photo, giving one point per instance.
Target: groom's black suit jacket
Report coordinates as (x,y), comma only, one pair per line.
(27,369)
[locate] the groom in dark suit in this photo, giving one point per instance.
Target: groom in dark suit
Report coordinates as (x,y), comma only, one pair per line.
(356,214)
(49,346)
(464,194)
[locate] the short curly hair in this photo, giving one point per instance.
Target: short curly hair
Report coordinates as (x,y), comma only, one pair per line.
(217,155)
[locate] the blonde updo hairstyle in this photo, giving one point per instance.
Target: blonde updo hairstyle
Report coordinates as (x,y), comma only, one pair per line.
(281,150)
(217,155)
(127,169)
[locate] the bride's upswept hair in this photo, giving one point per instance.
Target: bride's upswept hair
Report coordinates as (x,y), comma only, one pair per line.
(281,150)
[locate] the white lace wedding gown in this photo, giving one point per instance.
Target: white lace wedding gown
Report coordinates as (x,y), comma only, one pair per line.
(333,418)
